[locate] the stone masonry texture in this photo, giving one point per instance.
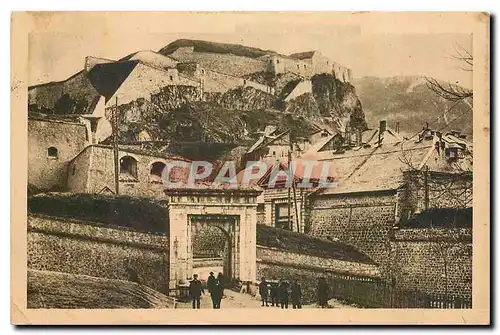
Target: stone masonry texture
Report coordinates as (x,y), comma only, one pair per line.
(88,249)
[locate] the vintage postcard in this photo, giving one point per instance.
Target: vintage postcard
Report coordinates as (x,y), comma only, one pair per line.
(263,167)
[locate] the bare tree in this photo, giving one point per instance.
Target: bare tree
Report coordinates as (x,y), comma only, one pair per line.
(452,92)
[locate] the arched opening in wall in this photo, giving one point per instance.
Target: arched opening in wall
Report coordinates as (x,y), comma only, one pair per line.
(52,153)
(211,246)
(156,172)
(128,169)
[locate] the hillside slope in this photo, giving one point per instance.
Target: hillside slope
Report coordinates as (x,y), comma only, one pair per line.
(409,101)
(47,289)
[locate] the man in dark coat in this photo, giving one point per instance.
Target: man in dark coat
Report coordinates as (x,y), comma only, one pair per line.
(195,291)
(283,294)
(263,291)
(274,295)
(217,291)
(323,292)
(210,282)
(296,294)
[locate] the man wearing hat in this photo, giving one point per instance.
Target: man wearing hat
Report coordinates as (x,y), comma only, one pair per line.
(211,282)
(195,291)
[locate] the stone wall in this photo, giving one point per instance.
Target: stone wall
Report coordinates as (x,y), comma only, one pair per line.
(434,261)
(239,65)
(100,166)
(78,87)
(47,172)
(144,81)
(85,248)
(214,81)
(364,220)
(277,264)
(413,257)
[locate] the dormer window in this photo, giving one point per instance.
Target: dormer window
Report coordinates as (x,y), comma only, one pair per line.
(52,153)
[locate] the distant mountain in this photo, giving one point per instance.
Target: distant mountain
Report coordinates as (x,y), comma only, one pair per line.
(408,100)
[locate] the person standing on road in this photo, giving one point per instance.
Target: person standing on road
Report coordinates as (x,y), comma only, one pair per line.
(210,282)
(216,294)
(296,294)
(274,295)
(218,291)
(195,291)
(323,292)
(263,291)
(283,294)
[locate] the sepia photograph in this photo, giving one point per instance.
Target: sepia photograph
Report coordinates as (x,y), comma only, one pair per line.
(262,161)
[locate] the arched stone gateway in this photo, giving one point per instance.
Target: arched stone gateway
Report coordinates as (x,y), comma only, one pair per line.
(232,211)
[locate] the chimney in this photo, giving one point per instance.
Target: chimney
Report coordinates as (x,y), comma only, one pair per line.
(93,120)
(381,129)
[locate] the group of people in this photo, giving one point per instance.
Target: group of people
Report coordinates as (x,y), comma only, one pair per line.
(215,287)
(280,294)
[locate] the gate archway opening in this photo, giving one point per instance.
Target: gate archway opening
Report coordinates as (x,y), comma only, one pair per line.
(211,250)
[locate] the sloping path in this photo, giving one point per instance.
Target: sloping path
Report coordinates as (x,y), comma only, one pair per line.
(234,299)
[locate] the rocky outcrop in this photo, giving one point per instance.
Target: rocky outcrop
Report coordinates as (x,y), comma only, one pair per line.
(243,98)
(305,106)
(338,100)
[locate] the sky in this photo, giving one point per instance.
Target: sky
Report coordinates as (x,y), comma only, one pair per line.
(378,48)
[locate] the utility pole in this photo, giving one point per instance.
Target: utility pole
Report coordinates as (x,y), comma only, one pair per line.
(115,147)
(426,187)
(294,192)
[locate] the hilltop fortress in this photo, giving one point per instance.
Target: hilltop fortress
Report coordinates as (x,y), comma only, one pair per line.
(206,67)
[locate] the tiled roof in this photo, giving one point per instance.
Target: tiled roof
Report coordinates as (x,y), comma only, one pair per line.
(380,167)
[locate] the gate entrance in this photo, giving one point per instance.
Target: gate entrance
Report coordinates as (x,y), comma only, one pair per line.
(233,212)
(213,241)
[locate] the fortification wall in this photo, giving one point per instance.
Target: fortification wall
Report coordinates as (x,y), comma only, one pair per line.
(86,248)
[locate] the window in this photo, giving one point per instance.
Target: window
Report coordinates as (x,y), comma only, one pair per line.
(128,169)
(156,172)
(277,61)
(298,67)
(304,66)
(282,219)
(244,82)
(171,78)
(73,169)
(52,153)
